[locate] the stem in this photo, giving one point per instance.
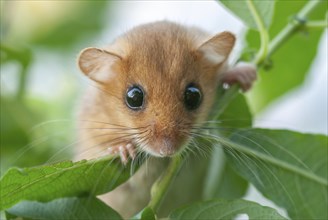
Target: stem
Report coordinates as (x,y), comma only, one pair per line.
(161,185)
(225,99)
(22,82)
(316,25)
(264,36)
(292,27)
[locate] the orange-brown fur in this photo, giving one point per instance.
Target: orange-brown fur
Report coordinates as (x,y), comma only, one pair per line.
(163,58)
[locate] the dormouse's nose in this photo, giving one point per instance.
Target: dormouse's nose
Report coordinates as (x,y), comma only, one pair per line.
(165,135)
(165,141)
(166,147)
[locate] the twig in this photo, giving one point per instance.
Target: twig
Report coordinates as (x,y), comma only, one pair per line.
(161,185)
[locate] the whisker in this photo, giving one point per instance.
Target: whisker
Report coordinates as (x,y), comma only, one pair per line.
(34,144)
(106,92)
(126,137)
(107,123)
(105,128)
(50,122)
(235,153)
(92,147)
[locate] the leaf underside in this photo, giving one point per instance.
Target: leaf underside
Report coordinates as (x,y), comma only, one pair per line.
(64,179)
(88,208)
(289,168)
(225,209)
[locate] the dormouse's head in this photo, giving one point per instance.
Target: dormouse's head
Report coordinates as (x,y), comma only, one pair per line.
(161,78)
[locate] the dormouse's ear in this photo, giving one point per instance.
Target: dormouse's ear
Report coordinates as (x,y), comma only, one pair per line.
(217,49)
(97,63)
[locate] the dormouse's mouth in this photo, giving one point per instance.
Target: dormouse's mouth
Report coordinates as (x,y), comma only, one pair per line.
(164,139)
(164,148)
(167,152)
(162,152)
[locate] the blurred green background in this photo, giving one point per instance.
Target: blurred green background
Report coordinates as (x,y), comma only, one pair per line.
(37,125)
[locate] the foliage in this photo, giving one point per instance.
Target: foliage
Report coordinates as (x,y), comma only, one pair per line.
(224,209)
(66,208)
(286,63)
(63,179)
(288,167)
(244,11)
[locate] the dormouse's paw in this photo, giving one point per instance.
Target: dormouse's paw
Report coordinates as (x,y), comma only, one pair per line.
(243,73)
(124,151)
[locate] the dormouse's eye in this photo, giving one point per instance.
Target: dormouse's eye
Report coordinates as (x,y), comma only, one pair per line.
(192,97)
(134,98)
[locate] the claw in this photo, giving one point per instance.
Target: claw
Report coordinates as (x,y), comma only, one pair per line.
(124,151)
(242,73)
(131,150)
(123,155)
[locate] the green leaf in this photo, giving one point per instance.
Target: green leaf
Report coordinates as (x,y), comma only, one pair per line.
(223,98)
(263,9)
(291,62)
(236,115)
(230,185)
(145,214)
(64,179)
(221,180)
(187,186)
(225,209)
(289,168)
(88,208)
(148,214)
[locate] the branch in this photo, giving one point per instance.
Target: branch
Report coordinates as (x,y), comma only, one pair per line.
(294,26)
(264,36)
(161,185)
(316,24)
